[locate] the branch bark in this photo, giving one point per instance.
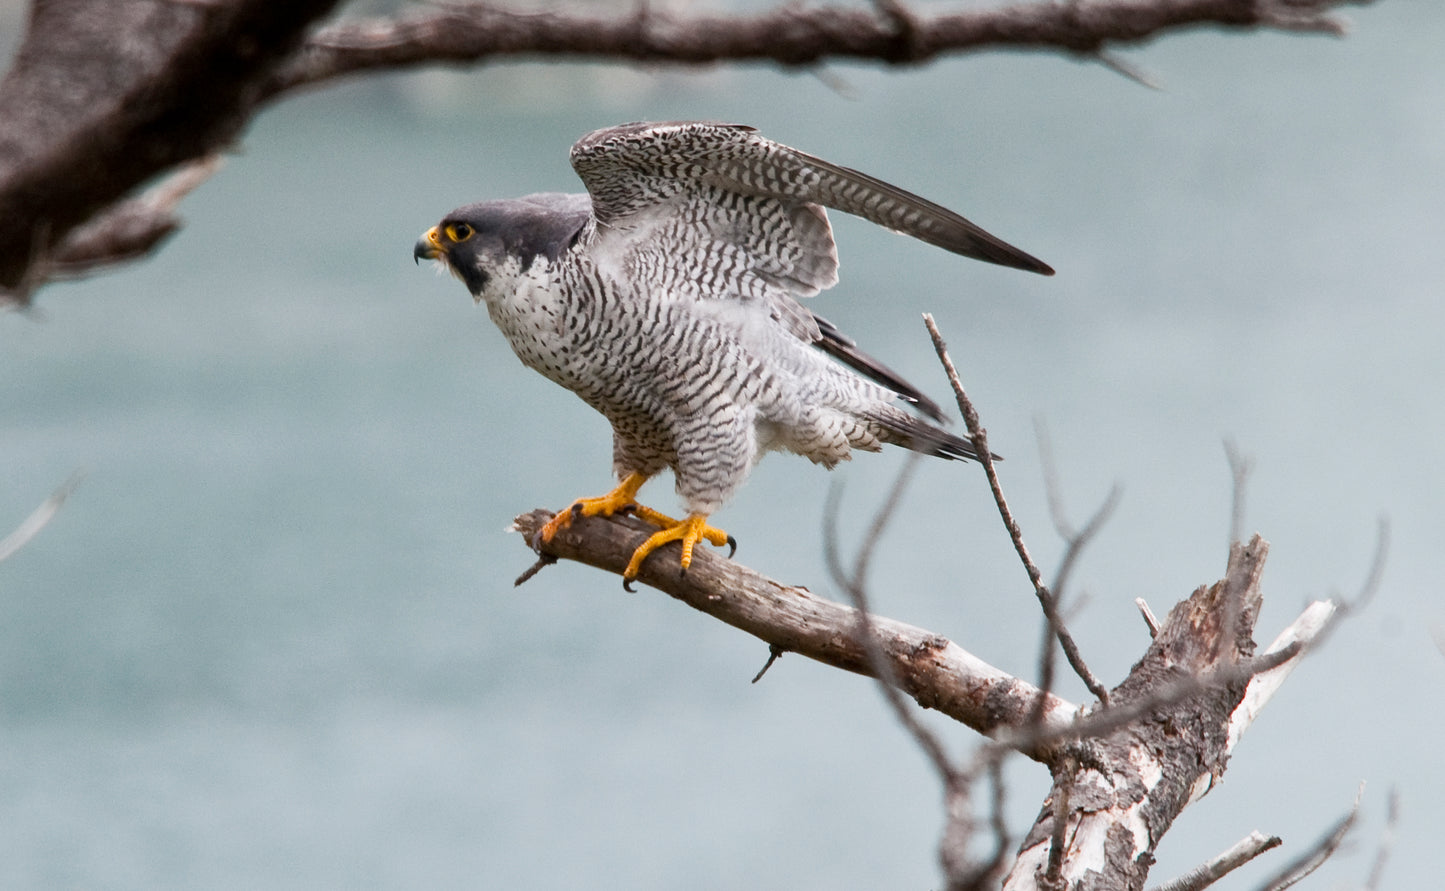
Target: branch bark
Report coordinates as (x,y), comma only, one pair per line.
(791,35)
(936,672)
(1118,784)
(1127,788)
(106,95)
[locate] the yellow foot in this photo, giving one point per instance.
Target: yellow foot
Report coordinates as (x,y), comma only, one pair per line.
(689,532)
(620,499)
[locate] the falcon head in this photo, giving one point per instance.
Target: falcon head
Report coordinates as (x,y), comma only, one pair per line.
(479,242)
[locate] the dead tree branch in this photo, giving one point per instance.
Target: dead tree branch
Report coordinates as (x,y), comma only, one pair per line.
(104,95)
(108,95)
(1047,600)
(42,515)
(1300,868)
(1122,775)
(1206,874)
(934,671)
(791,35)
(1132,779)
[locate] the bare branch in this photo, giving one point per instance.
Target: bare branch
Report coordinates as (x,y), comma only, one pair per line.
(1127,788)
(104,96)
(1188,685)
(856,586)
(935,671)
(1059,802)
(126,231)
(775,653)
(1296,639)
(1387,841)
(953,853)
(1041,591)
(38,518)
(107,95)
(1240,466)
(1148,615)
(1211,871)
(1318,853)
(791,34)
(1371,585)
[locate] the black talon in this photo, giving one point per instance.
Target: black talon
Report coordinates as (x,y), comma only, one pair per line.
(576,509)
(627,510)
(627,586)
(732,546)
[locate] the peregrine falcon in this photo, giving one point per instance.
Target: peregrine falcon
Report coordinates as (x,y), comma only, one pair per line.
(666,297)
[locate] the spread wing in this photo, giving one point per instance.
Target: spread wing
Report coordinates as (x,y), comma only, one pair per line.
(714,211)
(632,168)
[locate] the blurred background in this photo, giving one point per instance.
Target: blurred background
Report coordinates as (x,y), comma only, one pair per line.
(272,639)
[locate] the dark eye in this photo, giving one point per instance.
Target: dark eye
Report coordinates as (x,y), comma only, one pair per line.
(459,231)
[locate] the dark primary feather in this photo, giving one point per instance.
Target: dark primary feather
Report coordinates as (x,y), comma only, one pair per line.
(841,347)
(637,166)
(922,437)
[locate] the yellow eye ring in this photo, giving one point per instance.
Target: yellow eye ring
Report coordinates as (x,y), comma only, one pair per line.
(459,231)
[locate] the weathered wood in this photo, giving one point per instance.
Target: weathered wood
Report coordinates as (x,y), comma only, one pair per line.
(936,672)
(1121,775)
(792,34)
(106,94)
(1125,789)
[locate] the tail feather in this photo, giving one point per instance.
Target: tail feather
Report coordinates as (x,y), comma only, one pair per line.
(916,434)
(842,347)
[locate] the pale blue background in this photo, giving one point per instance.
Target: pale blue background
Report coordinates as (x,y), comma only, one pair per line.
(272,641)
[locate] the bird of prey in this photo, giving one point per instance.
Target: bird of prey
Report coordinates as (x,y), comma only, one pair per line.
(667,298)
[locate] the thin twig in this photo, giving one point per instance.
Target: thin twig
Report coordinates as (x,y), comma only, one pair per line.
(1387,841)
(1318,853)
(775,653)
(980,444)
(1371,585)
(1148,615)
(1119,65)
(1053,491)
(543,561)
(1240,466)
(855,585)
(1102,723)
(1002,846)
(38,518)
(957,784)
(1211,871)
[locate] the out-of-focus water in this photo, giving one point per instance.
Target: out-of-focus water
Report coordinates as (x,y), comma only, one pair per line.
(272,640)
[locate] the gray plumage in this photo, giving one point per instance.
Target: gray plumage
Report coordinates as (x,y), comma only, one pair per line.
(667,298)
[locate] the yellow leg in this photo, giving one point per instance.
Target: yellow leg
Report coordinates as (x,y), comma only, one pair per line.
(689,532)
(647,514)
(620,498)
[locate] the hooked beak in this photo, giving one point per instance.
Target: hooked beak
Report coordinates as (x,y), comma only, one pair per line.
(429,246)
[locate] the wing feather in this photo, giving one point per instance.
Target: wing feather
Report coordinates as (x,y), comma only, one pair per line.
(634,166)
(709,211)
